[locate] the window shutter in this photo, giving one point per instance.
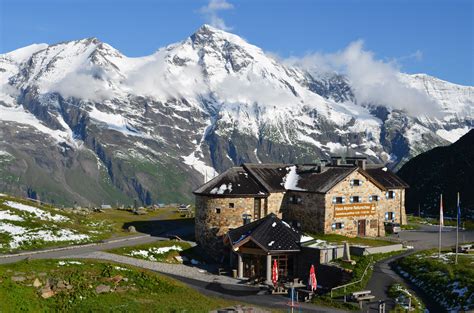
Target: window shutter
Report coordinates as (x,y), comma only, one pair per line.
(352,199)
(342,225)
(361,182)
(393,215)
(343,199)
(333,226)
(370,198)
(333,199)
(386,216)
(352,182)
(386,194)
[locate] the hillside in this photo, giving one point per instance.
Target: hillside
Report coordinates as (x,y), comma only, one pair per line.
(81,122)
(446,170)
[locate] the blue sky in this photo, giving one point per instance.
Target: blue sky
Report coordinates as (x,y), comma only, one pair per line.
(434,37)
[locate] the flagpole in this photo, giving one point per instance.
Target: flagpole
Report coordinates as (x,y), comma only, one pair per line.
(457,232)
(440,224)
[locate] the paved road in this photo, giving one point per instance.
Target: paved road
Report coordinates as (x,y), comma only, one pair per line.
(425,238)
(232,289)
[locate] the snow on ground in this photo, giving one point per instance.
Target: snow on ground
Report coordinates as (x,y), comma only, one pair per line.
(290,181)
(19,115)
(9,216)
(151,253)
(41,214)
(452,135)
(20,235)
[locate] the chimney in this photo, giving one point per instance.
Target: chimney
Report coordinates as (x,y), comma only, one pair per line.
(361,163)
(336,160)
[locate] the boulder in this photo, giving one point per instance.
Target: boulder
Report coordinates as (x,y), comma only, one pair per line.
(46,293)
(131,229)
(18,278)
(37,283)
(102,289)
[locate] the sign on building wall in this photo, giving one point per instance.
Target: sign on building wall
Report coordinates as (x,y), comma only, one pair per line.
(354,209)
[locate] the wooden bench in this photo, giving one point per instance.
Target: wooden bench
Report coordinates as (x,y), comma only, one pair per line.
(361,296)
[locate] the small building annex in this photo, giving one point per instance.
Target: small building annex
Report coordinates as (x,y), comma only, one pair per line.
(349,198)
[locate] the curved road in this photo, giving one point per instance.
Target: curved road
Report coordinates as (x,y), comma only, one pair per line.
(383,276)
(424,238)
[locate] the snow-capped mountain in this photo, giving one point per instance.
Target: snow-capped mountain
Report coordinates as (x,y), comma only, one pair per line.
(79,121)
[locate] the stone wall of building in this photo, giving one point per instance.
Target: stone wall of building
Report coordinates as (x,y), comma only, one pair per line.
(307,209)
(317,213)
(215,216)
(373,218)
(274,203)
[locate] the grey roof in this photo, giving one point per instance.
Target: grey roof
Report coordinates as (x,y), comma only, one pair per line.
(385,177)
(269,175)
(270,233)
(259,180)
(321,182)
(233,182)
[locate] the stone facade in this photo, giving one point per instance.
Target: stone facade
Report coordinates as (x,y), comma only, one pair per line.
(215,216)
(317,213)
(274,203)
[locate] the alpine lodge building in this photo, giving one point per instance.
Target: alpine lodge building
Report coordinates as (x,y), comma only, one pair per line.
(254,214)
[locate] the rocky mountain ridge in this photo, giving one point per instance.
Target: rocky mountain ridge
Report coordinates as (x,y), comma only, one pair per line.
(81,122)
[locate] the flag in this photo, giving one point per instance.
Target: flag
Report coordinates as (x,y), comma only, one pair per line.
(312,283)
(275,272)
(459,211)
(441,217)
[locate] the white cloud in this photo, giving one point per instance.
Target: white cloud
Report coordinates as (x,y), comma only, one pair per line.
(373,81)
(210,13)
(88,84)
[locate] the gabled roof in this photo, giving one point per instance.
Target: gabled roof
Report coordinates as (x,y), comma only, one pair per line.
(269,233)
(385,177)
(322,182)
(233,182)
(269,175)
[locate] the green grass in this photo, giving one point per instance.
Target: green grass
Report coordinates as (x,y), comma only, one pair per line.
(137,291)
(362,262)
(334,238)
(467,224)
(118,218)
(401,295)
(439,276)
(187,251)
(30,222)
(97,225)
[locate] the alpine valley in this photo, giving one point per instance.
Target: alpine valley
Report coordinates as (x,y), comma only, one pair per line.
(82,123)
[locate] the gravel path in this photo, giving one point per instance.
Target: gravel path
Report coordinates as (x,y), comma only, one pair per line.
(180,270)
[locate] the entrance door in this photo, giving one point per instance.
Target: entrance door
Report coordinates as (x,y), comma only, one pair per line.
(361,227)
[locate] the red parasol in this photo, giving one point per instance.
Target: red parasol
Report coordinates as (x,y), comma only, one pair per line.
(275,272)
(312,279)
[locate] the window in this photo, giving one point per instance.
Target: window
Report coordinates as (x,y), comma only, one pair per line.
(231,205)
(356,199)
(337,225)
(356,182)
(338,200)
(373,223)
(390,216)
(218,210)
(390,194)
(296,200)
(247,218)
(374,198)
